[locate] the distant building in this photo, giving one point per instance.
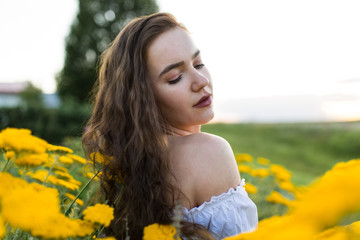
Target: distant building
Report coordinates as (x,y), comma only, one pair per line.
(10,95)
(51,100)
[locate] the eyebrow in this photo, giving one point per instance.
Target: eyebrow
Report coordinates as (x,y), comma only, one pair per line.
(178,64)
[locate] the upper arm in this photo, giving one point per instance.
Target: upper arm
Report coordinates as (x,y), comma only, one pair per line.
(214,166)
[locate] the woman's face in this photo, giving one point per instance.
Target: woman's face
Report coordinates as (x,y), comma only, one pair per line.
(181,82)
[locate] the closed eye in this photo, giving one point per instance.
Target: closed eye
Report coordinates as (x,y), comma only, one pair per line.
(199,66)
(176,79)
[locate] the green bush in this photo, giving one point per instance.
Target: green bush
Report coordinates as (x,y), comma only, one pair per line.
(52,125)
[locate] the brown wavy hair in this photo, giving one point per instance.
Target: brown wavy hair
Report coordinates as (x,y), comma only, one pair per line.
(127,125)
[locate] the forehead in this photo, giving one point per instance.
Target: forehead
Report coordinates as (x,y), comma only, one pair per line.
(170,47)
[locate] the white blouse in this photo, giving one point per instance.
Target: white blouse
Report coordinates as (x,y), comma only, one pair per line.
(228,214)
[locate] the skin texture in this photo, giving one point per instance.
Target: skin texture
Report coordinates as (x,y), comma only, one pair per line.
(203,165)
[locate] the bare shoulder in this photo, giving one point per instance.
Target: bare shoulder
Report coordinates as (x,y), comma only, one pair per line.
(207,164)
(206,145)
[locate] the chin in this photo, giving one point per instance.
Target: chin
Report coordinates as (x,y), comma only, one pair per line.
(208,117)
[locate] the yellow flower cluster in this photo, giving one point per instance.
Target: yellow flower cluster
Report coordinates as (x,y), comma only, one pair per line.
(21,140)
(243,157)
(100,213)
(72,197)
(36,159)
(32,207)
(263,161)
(250,188)
(2,228)
(54,148)
(276,197)
(34,195)
(159,232)
(35,208)
(262,168)
(317,209)
(281,175)
(260,172)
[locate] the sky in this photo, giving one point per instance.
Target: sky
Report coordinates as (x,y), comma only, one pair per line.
(270,61)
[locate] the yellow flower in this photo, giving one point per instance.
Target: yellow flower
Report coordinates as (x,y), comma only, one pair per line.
(100,213)
(276,197)
(54,148)
(63,174)
(72,185)
(336,233)
(1,141)
(77,158)
(288,186)
(66,160)
(263,161)
(59,168)
(32,159)
(8,183)
(21,140)
(261,172)
(107,238)
(243,157)
(100,158)
(316,208)
(39,174)
(10,155)
(348,232)
(2,228)
(244,168)
(63,227)
(251,189)
(355,227)
(91,174)
(159,232)
(339,185)
(23,207)
(280,172)
(72,197)
(346,165)
(35,208)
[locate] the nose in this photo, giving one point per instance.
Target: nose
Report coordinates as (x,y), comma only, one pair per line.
(199,81)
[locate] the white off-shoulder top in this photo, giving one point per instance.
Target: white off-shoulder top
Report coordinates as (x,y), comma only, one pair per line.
(228,214)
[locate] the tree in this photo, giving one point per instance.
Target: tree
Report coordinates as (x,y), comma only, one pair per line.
(31,96)
(95,26)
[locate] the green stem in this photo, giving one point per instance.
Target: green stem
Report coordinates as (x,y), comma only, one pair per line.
(97,233)
(77,196)
(3,170)
(50,170)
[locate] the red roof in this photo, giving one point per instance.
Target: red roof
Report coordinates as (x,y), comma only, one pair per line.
(13,88)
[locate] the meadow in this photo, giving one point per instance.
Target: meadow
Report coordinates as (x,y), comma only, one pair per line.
(301,176)
(306,149)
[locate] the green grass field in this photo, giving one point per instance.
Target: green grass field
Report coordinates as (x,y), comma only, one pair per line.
(306,149)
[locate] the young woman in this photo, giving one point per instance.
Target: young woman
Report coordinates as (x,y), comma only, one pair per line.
(153,94)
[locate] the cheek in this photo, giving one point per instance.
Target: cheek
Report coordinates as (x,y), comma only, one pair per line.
(172,103)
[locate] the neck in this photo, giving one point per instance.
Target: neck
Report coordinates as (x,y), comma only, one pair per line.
(174,131)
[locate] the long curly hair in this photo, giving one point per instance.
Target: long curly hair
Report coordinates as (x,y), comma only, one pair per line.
(127,128)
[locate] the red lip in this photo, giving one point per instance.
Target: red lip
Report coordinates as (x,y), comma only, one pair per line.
(204,102)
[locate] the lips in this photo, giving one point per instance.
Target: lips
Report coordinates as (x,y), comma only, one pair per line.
(204,102)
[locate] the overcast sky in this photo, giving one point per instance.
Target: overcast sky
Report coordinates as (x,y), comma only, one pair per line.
(270,60)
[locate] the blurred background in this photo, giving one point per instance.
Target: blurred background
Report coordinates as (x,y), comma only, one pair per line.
(286,74)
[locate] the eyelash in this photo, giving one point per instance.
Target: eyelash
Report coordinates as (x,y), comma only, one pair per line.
(199,66)
(175,80)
